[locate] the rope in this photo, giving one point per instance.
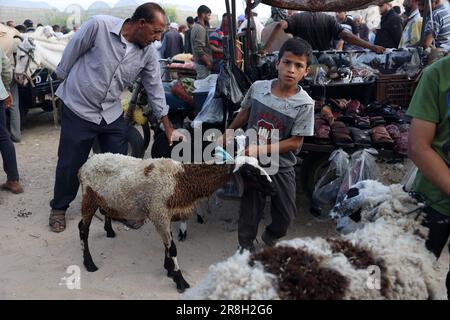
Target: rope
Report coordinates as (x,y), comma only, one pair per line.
(55,110)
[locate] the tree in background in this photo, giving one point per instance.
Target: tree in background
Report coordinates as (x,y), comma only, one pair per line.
(171,13)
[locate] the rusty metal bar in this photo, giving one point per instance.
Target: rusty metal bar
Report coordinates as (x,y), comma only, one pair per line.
(323,5)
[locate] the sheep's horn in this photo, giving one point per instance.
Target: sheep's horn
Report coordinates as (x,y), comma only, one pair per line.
(19,37)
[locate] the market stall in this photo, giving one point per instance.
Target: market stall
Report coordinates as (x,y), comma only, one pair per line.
(361,97)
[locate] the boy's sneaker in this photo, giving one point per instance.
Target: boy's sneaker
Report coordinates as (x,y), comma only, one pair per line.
(269,240)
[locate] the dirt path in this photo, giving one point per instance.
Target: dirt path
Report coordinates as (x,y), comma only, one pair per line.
(33,260)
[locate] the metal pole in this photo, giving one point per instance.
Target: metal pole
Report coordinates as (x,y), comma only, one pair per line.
(232,35)
(248,34)
(234,28)
(425,14)
(431,14)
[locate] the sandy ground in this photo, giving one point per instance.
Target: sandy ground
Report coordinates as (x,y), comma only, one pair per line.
(33,260)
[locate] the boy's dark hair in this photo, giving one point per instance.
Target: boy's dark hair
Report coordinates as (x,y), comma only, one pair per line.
(203,9)
(298,47)
(147,12)
(190,20)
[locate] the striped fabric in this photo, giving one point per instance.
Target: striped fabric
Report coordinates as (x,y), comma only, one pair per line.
(441,28)
(216,39)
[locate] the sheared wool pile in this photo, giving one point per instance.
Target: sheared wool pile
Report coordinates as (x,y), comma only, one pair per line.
(338,268)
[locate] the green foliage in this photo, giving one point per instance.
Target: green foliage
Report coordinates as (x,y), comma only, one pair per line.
(52,19)
(61,19)
(171,13)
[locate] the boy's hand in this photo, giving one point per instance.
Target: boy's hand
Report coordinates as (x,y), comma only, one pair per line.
(225,139)
(252,151)
(221,141)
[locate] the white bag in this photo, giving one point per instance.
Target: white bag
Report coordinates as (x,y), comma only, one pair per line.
(410,176)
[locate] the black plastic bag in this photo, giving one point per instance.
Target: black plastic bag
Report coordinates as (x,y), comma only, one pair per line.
(266,67)
(232,83)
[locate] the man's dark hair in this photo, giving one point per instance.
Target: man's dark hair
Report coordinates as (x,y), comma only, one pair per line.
(56,27)
(203,9)
(298,47)
(21,28)
(147,12)
(40,25)
(65,30)
(190,20)
(397,9)
(28,23)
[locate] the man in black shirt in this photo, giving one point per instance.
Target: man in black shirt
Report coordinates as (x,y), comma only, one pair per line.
(391,30)
(187,35)
(318,29)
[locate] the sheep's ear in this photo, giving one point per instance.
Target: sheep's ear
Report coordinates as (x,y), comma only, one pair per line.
(353,192)
(241,160)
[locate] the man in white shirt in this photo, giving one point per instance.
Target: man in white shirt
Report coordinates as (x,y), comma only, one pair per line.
(413,29)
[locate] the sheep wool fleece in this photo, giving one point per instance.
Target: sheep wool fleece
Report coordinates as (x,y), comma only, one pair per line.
(128,190)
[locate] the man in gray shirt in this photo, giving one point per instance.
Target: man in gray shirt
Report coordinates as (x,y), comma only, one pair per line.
(100,61)
(200,43)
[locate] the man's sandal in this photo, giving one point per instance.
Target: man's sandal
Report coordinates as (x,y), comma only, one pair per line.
(57,221)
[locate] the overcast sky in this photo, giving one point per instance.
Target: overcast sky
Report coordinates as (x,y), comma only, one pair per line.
(217,6)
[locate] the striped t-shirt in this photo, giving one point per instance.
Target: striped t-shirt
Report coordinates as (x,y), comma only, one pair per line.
(216,39)
(440,27)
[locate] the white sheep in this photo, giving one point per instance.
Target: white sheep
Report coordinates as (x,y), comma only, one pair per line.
(385,258)
(160,190)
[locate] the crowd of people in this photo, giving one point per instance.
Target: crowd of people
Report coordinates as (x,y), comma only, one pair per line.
(28,26)
(322,31)
(94,111)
